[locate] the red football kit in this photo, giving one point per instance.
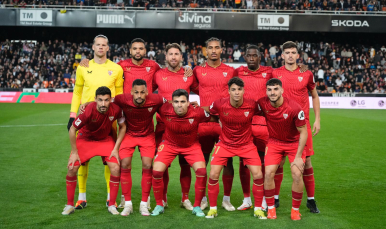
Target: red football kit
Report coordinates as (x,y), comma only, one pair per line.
(213,85)
(236,135)
(94,137)
(296,86)
(282,125)
(132,72)
(255,88)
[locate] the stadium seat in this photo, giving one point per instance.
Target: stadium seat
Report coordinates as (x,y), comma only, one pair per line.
(67,80)
(45,83)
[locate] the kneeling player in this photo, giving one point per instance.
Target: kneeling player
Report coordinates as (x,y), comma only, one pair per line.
(94,127)
(180,138)
(287,137)
(236,115)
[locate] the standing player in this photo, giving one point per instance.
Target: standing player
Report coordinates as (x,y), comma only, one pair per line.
(213,80)
(236,114)
(94,139)
(296,86)
(180,138)
(168,80)
(102,72)
(285,120)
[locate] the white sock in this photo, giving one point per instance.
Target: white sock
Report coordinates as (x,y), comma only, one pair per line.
(257,208)
(148,198)
(108,196)
(204,199)
(213,208)
(264,203)
(128,202)
(144,203)
(296,209)
(276,197)
(226,198)
(308,198)
(82,196)
(122,196)
(271,207)
(247,200)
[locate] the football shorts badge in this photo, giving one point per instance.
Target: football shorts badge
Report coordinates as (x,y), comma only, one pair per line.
(246,113)
(300,78)
(150,109)
(285,116)
(110,72)
(111,118)
(225,74)
(185,78)
(147,69)
(264,74)
(191,121)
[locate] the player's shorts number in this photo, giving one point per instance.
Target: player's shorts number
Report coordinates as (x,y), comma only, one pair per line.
(160,148)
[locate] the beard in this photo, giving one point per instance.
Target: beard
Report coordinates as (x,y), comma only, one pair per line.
(138,59)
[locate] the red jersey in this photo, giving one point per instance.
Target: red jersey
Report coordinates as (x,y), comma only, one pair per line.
(132,72)
(167,82)
(282,121)
(296,86)
(182,131)
(213,82)
(255,85)
(93,125)
(139,120)
(236,122)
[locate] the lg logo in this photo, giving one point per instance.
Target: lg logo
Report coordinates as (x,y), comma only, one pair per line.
(357,102)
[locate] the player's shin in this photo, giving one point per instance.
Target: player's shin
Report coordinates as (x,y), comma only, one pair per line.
(258,191)
(146,184)
(185,180)
(126,183)
(213,191)
(165,185)
(227,179)
(200,186)
(71,186)
(245,179)
(309,182)
(158,186)
(278,181)
(114,187)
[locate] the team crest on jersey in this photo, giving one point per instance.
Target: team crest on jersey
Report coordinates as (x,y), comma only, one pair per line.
(169,119)
(264,75)
(285,116)
(150,109)
(110,72)
(300,78)
(111,118)
(185,78)
(128,69)
(226,114)
(204,74)
(246,113)
(279,77)
(225,74)
(147,69)
(191,121)
(164,78)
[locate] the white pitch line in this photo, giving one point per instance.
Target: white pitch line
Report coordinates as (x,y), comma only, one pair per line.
(33,125)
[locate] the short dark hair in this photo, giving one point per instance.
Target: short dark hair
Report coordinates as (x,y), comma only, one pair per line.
(137,40)
(180,92)
(139,82)
(274,82)
(173,45)
(212,39)
(252,47)
(290,45)
(100,36)
(103,91)
(236,80)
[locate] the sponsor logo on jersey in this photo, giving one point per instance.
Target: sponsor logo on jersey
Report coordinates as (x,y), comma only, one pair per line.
(169,119)
(110,72)
(191,121)
(150,109)
(111,118)
(285,116)
(264,75)
(185,78)
(204,74)
(147,69)
(246,113)
(279,77)
(93,120)
(89,72)
(77,122)
(300,78)
(245,73)
(164,78)
(128,69)
(225,74)
(301,115)
(226,114)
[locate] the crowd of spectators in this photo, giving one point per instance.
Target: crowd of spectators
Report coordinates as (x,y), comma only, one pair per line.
(213,5)
(336,67)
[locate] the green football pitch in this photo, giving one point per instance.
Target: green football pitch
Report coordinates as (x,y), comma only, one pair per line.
(349,167)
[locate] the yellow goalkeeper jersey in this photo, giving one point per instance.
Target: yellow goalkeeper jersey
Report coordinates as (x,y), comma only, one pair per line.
(88,80)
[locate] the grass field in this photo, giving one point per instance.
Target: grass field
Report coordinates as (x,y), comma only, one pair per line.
(349,170)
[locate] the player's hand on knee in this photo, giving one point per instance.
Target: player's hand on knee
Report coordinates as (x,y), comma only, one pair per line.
(84,63)
(298,162)
(115,153)
(73,159)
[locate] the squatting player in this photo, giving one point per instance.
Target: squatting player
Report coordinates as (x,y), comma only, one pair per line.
(168,80)
(287,137)
(180,138)
(102,72)
(213,84)
(94,139)
(296,86)
(235,113)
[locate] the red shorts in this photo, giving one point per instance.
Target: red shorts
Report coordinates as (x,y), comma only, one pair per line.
(260,136)
(208,134)
(275,152)
(166,154)
(309,147)
(159,130)
(222,153)
(146,146)
(88,149)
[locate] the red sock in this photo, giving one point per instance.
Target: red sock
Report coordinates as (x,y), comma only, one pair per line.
(213,191)
(158,186)
(145,184)
(278,180)
(258,191)
(114,187)
(270,197)
(199,186)
(71,186)
(126,183)
(185,180)
(245,179)
(296,199)
(227,181)
(309,181)
(165,183)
